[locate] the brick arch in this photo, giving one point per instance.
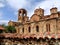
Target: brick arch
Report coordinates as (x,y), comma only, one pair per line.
(23,11)
(29,30)
(48,27)
(44,26)
(52,27)
(34,18)
(35,27)
(23,30)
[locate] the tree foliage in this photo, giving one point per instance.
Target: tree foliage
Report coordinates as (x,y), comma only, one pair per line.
(10,29)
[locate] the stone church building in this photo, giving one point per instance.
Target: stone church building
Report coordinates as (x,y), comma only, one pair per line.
(38,22)
(40,29)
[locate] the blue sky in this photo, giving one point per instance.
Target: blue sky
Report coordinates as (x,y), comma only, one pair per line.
(9,8)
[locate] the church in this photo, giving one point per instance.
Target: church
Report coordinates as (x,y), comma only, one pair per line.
(40,29)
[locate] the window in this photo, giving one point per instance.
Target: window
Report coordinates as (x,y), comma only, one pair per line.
(37,28)
(23,30)
(48,27)
(29,29)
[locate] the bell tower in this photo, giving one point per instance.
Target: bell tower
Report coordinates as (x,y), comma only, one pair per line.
(22,15)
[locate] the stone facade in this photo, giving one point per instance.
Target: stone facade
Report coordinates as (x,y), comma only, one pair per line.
(44,23)
(40,29)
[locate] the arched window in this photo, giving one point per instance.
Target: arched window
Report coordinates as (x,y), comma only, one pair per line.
(37,28)
(23,30)
(29,29)
(47,27)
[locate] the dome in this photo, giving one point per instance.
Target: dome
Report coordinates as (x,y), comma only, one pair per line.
(20,10)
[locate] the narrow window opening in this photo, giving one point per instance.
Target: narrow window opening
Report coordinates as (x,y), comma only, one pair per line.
(48,27)
(29,29)
(23,30)
(37,28)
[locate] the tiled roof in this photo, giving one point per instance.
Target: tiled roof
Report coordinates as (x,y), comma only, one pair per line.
(2,28)
(21,36)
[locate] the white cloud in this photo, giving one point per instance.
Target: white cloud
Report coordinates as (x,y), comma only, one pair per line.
(4,22)
(1,5)
(17,3)
(48,4)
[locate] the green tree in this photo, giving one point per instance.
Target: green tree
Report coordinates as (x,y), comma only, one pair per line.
(10,29)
